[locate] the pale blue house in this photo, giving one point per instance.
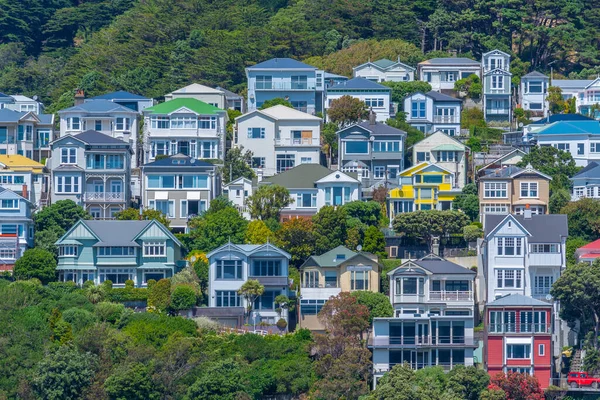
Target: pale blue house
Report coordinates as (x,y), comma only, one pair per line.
(16,228)
(118,251)
(300,84)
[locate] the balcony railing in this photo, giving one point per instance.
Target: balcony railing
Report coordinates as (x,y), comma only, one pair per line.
(297,142)
(105,196)
(445,119)
(412,341)
(496,111)
(414,365)
(320,285)
(519,328)
(283,86)
(271,280)
(409,298)
(451,295)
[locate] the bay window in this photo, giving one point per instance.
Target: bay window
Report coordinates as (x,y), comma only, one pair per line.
(159,122)
(229,269)
(266,268)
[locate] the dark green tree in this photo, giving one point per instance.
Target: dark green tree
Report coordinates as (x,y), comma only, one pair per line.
(267,201)
(425,225)
(132,214)
(329,228)
(583,217)
(221,380)
(378,304)
(365,212)
(62,214)
(297,237)
(215,228)
(558,164)
(277,101)
(467,382)
(36,263)
(132,382)
(402,89)
(374,241)
(237,164)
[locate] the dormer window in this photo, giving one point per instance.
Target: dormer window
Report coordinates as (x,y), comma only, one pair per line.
(154,249)
(67,251)
(9,204)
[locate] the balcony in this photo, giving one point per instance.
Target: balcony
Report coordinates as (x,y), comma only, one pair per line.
(449,296)
(409,298)
(496,111)
(546,259)
(445,119)
(420,341)
(319,291)
(520,328)
(283,86)
(271,280)
(297,142)
(109,197)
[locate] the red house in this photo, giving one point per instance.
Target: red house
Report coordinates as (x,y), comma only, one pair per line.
(518,337)
(588,253)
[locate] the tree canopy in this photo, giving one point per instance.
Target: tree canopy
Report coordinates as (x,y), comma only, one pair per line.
(347,110)
(558,164)
(425,225)
(267,201)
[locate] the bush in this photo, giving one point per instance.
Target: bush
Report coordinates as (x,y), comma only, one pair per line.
(78,318)
(151,283)
(107,284)
(159,295)
(109,312)
(155,329)
(133,381)
(36,263)
(282,324)
(206,324)
(63,287)
(127,294)
(129,284)
(88,284)
(183,297)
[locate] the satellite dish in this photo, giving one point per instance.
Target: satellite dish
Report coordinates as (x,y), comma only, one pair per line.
(35,97)
(549,297)
(358,248)
(520,124)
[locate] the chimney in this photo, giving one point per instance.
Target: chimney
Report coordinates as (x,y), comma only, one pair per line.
(527,213)
(24,192)
(79,96)
(259,175)
(435,245)
(372,117)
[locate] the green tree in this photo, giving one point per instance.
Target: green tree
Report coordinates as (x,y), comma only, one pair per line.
(558,164)
(329,228)
(558,199)
(216,227)
(237,165)
(47,238)
(467,382)
(402,89)
(413,135)
(63,213)
(183,297)
(64,374)
(160,295)
(365,212)
(258,233)
(231,116)
(132,382)
(468,201)
(470,86)
(344,316)
(472,232)
(347,110)
(36,263)
(132,214)
(583,217)
(329,141)
(267,201)
(573,243)
(250,291)
(277,101)
(296,236)
(397,384)
(556,103)
(221,380)
(378,304)
(425,225)
(374,241)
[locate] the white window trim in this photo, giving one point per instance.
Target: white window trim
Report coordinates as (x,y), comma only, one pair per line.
(528,184)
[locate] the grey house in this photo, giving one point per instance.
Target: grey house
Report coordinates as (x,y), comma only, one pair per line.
(92,169)
(180,187)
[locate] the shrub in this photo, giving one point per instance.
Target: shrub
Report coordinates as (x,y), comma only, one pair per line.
(129,284)
(63,287)
(282,324)
(183,297)
(151,283)
(109,312)
(160,295)
(88,284)
(95,294)
(78,318)
(36,263)
(107,284)
(132,381)
(206,324)
(127,294)
(155,329)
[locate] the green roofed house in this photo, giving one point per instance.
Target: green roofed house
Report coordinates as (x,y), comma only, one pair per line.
(313,186)
(184,126)
(385,70)
(118,251)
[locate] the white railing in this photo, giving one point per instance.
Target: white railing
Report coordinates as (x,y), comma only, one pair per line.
(105,196)
(297,142)
(447,295)
(284,86)
(496,111)
(445,119)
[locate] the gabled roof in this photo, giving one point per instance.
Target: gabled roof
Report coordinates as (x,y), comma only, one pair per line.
(98,106)
(229,93)
(17,162)
(511,172)
(359,84)
(119,95)
(5,191)
(281,63)
(571,128)
(590,171)
(537,226)
(436,265)
(281,112)
(94,137)
(535,74)
(336,257)
(194,105)
(497,71)
(385,64)
(561,117)
(238,181)
(451,61)
(592,83)
(595,245)
(571,83)
(516,299)
(378,128)
(7,115)
(5,96)
(421,167)
(249,249)
(495,51)
(303,176)
(196,88)
(445,137)
(179,161)
(437,96)
(505,156)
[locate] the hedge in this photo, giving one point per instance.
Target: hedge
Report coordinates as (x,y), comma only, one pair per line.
(122,295)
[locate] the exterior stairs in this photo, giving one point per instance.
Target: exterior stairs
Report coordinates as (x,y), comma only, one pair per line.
(577,361)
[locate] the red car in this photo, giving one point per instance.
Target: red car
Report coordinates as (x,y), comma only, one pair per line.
(578,379)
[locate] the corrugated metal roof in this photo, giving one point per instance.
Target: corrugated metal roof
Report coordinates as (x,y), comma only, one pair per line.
(443,267)
(358,84)
(517,300)
(384,63)
(571,128)
(437,96)
(97,106)
(334,257)
(303,176)
(448,147)
(282,63)
(95,137)
(282,112)
(571,83)
(561,117)
(535,74)
(116,232)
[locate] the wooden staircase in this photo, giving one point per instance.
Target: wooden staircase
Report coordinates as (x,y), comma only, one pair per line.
(577,362)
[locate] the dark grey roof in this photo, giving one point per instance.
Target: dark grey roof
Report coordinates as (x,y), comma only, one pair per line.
(359,84)
(98,106)
(437,96)
(116,232)
(2,95)
(450,61)
(544,228)
(443,267)
(302,176)
(505,172)
(517,300)
(228,93)
(179,160)
(95,137)
(282,63)
(381,129)
(535,74)
(592,170)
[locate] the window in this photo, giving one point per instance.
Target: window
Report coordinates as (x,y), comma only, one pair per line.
(258,162)
(495,209)
(375,103)
(299,82)
(266,301)
(410,286)
(73,123)
(379,172)
(494,189)
(542,285)
(305,200)
(154,249)
(285,162)
(229,269)
(305,160)
(359,280)
(386,147)
(449,131)
(541,350)
(98,125)
(310,279)
(423,156)
(311,307)
(355,147)
(529,189)
(567,147)
(161,182)
(43,137)
(509,279)
(509,246)
(67,251)
(9,204)
(207,123)
(449,156)
(263,82)
(116,251)
(418,109)
(256,133)
(184,122)
(118,276)
(498,82)
(535,106)
(227,298)
(114,161)
(535,87)
(68,155)
(521,351)
(194,182)
(544,248)
(67,184)
(160,122)
(164,206)
(266,268)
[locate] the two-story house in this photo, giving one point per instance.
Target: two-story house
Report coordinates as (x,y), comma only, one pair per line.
(184,126)
(312,187)
(518,337)
(530,129)
(118,251)
(237,191)
(21,103)
(105,116)
(231,265)
(433,111)
(588,253)
(442,73)
(446,152)
(300,84)
(92,169)
(16,227)
(180,187)
(585,91)
(580,138)
(497,86)
(373,150)
(25,133)
(422,187)
(434,316)
(377,97)
(385,70)
(512,190)
(130,100)
(329,274)
(533,92)
(279,138)
(586,183)
(25,176)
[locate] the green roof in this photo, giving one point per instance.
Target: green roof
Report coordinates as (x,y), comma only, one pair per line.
(448,147)
(334,257)
(303,176)
(384,63)
(197,106)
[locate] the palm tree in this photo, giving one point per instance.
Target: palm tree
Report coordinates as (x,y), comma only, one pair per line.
(95,294)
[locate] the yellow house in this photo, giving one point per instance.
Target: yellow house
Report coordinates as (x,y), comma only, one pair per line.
(24,176)
(423,187)
(324,276)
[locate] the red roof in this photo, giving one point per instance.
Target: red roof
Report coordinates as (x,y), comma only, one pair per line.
(595,245)
(590,255)
(6,267)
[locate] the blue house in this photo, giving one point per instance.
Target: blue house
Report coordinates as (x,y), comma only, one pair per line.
(300,84)
(118,251)
(134,101)
(586,183)
(580,138)
(16,228)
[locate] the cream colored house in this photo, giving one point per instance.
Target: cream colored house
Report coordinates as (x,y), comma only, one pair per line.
(445,152)
(338,270)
